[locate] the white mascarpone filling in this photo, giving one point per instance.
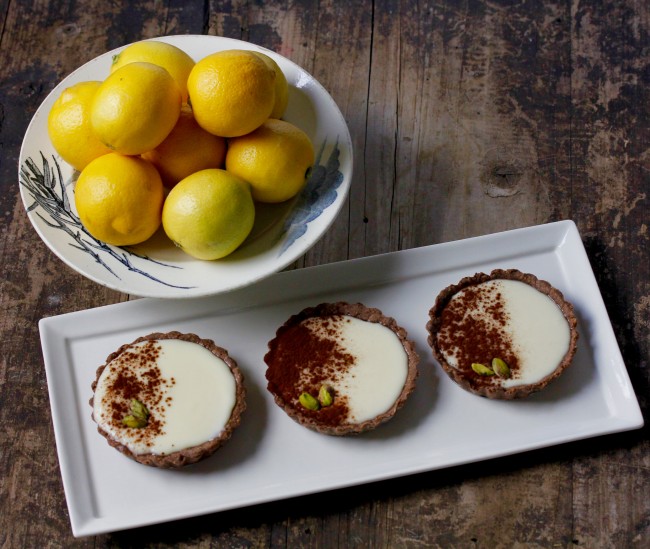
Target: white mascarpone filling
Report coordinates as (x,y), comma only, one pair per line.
(199,396)
(374,382)
(539,332)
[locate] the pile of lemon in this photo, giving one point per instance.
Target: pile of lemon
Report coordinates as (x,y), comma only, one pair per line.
(191,146)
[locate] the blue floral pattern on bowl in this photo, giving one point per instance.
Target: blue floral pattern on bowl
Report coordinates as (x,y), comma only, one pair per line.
(319,193)
(45,185)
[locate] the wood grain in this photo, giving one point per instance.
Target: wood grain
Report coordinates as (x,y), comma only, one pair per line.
(467,117)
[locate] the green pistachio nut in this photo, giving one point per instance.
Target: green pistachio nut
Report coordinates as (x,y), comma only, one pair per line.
(139,416)
(139,410)
(500,368)
(481,369)
(325,396)
(134,422)
(309,401)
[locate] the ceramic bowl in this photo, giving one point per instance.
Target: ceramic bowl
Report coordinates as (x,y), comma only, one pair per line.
(156,268)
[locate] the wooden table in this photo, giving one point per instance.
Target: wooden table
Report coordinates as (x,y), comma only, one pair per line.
(467,118)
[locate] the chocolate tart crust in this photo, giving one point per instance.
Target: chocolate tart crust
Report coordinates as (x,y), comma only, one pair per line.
(360,311)
(187,456)
(496,391)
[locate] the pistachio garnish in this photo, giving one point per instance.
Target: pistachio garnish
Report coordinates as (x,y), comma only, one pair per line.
(138,409)
(134,422)
(139,416)
(325,396)
(500,367)
(481,369)
(309,401)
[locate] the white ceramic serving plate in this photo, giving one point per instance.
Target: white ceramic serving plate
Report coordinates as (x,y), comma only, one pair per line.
(282,233)
(270,457)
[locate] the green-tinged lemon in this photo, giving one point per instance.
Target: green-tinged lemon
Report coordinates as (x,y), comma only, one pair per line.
(209,214)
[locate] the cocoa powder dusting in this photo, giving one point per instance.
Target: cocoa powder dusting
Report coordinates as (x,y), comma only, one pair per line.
(307,356)
(472,329)
(135,374)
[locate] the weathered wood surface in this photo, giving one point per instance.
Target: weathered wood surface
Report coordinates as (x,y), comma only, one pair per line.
(468,117)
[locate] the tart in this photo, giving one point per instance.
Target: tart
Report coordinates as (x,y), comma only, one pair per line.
(502,335)
(341,368)
(168,399)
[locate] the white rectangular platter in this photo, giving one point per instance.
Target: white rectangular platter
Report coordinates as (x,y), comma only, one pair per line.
(270,457)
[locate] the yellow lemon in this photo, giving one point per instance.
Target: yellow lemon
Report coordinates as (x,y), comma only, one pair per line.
(187,149)
(274,159)
(119,199)
(174,60)
(232,92)
(69,128)
(281,86)
(209,214)
(135,108)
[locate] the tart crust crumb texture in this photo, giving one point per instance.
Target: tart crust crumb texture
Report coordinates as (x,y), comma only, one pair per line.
(362,359)
(520,322)
(192,392)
